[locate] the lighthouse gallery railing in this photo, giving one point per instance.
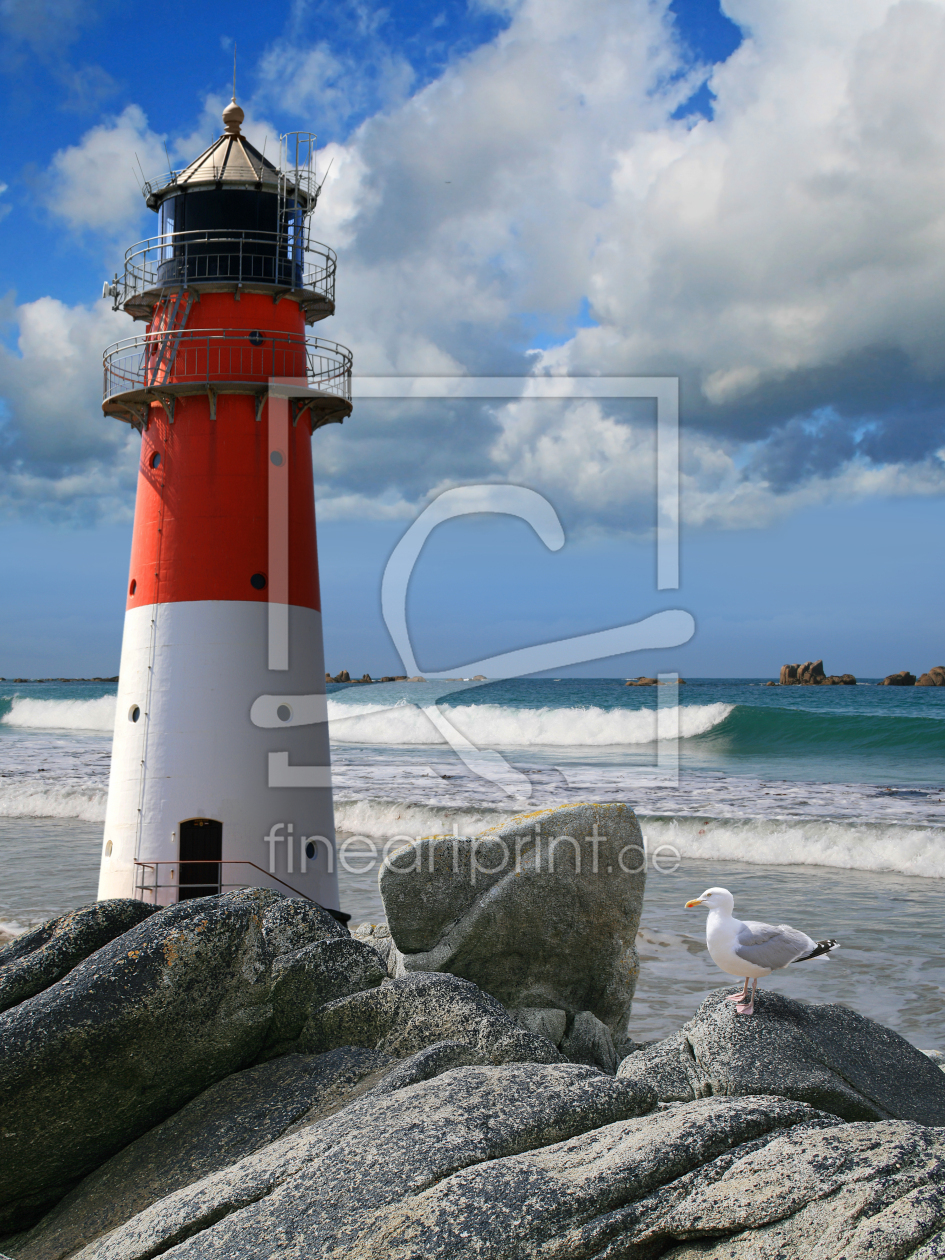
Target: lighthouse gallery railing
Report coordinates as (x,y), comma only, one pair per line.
(213,356)
(247,257)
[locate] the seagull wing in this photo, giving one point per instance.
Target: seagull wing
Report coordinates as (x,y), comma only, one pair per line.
(769,946)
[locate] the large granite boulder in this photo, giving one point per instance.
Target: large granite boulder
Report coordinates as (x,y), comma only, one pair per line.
(527,1160)
(403,1016)
(902,679)
(231,1119)
(310,1192)
(757,1180)
(541,912)
(828,1056)
(934,678)
(143,1025)
(37,959)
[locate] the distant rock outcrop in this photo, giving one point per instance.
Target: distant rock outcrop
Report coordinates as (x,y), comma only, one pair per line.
(902,679)
(934,678)
(811,674)
(654,682)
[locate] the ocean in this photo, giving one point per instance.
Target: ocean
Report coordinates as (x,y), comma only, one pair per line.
(819,806)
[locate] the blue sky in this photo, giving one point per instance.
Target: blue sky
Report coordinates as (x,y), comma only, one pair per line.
(750,197)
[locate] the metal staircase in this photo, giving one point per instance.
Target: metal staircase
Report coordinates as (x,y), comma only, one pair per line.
(165,353)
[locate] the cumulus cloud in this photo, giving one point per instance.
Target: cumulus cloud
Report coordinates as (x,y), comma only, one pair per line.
(785,259)
(98,181)
(56,448)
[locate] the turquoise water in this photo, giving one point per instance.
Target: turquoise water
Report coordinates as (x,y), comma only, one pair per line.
(819,806)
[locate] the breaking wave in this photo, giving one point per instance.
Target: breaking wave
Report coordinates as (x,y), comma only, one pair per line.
(505,726)
(61,715)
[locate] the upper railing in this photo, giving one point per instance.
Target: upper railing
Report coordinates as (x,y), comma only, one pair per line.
(228,257)
(214,356)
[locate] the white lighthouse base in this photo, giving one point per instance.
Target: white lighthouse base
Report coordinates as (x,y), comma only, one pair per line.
(193,671)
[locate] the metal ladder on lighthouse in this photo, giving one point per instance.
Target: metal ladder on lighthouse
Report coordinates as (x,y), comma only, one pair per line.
(171,334)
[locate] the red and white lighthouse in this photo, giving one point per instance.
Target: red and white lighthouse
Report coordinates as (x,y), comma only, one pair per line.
(220,766)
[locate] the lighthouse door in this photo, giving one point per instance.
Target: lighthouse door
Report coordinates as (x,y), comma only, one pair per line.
(201,850)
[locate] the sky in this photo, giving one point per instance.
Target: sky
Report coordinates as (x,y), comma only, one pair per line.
(749,197)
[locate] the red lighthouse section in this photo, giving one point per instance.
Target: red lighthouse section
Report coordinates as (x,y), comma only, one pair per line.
(201,522)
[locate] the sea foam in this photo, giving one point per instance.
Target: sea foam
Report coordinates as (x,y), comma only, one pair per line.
(38,800)
(754,841)
(62,715)
(505,726)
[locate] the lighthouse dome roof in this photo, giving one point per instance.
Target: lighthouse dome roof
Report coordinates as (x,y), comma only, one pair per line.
(231,161)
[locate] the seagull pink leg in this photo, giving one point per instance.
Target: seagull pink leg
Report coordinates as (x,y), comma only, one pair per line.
(739,997)
(748,1007)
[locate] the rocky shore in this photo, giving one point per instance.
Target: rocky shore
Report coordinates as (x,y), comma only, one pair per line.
(811,674)
(241,1077)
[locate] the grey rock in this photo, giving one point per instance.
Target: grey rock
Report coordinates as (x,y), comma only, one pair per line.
(491,909)
(312,976)
(772,1178)
(134,1032)
(290,923)
(405,1016)
(310,1192)
(34,961)
(231,1119)
(378,936)
(543,1021)
(589,1195)
(828,1056)
(425,1064)
(589,1041)
(860,1192)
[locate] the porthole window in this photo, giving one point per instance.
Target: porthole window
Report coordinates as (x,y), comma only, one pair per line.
(255,338)
(133,587)
(310,850)
(277,458)
(108,848)
(155,460)
(134,713)
(258,581)
(283,713)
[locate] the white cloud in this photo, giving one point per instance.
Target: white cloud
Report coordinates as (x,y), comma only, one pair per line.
(96,185)
(769,256)
(806,223)
(56,447)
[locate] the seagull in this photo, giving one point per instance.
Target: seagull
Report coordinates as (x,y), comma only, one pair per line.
(752,949)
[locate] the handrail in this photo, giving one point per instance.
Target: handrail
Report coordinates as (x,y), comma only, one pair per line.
(214,862)
(217,255)
(210,356)
(139,887)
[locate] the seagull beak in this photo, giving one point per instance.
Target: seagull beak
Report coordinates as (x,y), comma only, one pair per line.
(697,902)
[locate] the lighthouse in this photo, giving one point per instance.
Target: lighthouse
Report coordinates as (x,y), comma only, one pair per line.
(220,771)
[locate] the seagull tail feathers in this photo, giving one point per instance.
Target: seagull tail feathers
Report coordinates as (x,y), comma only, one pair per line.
(821,951)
